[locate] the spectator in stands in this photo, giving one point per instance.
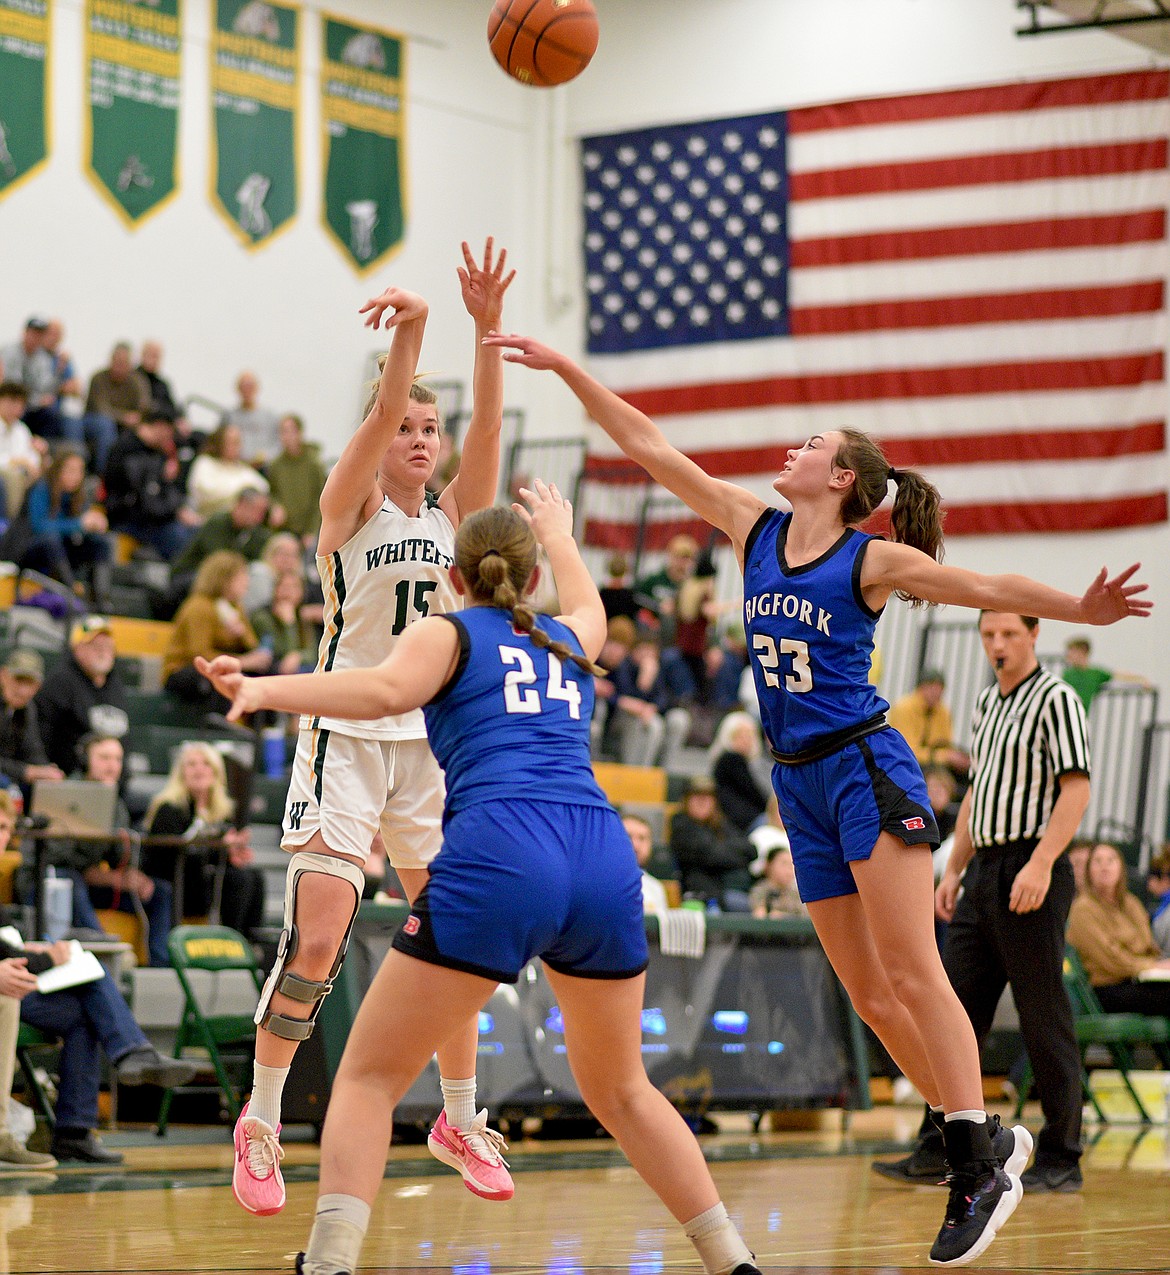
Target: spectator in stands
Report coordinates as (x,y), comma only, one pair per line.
(943,793)
(924,721)
(20,457)
(211,623)
(617,594)
(1111,932)
(259,427)
(297,478)
(741,799)
(282,629)
(195,798)
(118,397)
(162,398)
(68,382)
(28,362)
(219,473)
(776,895)
(145,495)
(22,749)
(642,839)
(766,836)
(240,529)
(282,553)
(83,693)
(713,856)
(658,593)
(726,662)
(695,608)
(1087,679)
(1158,884)
(446,465)
(61,532)
(1078,853)
(620,636)
(647,724)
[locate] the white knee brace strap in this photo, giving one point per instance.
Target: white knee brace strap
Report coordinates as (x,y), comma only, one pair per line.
(286,981)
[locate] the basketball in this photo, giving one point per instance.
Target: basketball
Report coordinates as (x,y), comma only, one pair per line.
(543,42)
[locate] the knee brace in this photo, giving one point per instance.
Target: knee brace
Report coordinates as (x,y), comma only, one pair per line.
(286,981)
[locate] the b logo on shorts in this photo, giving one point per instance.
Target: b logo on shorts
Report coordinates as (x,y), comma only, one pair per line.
(411,925)
(917,824)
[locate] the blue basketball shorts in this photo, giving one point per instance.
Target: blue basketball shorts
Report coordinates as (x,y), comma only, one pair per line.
(834,810)
(519,879)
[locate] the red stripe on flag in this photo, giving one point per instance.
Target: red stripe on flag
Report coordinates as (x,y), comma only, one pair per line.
(1092,90)
(1147,226)
(1003,307)
(1145,438)
(601,533)
(1044,516)
(1078,162)
(901,383)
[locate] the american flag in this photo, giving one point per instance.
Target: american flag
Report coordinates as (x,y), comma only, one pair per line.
(975,277)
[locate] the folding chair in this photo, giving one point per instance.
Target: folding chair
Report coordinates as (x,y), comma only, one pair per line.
(229,1032)
(27,1040)
(1118,1033)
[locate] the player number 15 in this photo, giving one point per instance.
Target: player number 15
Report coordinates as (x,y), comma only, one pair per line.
(800,679)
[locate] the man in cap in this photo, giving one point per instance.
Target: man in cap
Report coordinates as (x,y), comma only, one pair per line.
(22,750)
(31,363)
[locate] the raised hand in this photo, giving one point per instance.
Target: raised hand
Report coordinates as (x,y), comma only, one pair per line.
(549,513)
(1108,600)
(525,351)
(483,287)
(402,305)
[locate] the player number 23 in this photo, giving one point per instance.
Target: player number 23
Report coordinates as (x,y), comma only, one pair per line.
(520,693)
(800,679)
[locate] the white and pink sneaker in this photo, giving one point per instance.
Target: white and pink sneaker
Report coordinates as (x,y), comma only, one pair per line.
(475,1153)
(256,1177)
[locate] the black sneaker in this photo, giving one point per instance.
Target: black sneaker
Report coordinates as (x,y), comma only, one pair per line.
(926,1163)
(1012,1147)
(1053,1177)
(978,1207)
(301,1266)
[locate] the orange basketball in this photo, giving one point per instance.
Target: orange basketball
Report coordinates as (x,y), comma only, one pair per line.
(543,42)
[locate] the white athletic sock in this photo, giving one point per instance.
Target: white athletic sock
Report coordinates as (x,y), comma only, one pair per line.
(458,1101)
(976,1117)
(338,1231)
(717,1241)
(267,1090)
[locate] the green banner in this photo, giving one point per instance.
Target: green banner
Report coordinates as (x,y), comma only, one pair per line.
(24,74)
(132,83)
(361,113)
(255,73)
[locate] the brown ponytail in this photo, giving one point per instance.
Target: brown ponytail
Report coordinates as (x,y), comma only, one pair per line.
(419,393)
(916,519)
(495,552)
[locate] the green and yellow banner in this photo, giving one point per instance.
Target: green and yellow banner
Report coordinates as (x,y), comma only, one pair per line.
(24,76)
(255,87)
(132,88)
(362,79)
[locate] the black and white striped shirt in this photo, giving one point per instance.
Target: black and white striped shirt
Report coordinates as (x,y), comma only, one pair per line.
(1022,743)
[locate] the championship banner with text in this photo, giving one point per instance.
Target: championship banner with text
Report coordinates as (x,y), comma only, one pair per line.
(362,120)
(132,79)
(24,62)
(255,74)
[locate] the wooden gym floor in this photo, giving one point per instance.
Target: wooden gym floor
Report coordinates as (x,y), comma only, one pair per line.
(806,1200)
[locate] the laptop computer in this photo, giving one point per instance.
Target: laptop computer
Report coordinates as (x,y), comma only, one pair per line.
(75,807)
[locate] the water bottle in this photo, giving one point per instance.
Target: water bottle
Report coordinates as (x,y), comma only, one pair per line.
(272,751)
(58,906)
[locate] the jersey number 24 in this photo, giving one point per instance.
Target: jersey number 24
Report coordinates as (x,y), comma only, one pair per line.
(800,679)
(520,692)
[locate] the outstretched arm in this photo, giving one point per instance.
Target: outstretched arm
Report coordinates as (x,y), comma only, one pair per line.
(420,665)
(724,505)
(352,486)
(474,487)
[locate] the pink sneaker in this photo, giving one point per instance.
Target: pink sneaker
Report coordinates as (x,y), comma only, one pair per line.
(475,1153)
(256,1179)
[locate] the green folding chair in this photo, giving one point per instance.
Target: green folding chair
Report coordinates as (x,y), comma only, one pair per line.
(28,1039)
(226,1036)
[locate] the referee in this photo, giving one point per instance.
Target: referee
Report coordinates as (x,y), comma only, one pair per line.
(1029,790)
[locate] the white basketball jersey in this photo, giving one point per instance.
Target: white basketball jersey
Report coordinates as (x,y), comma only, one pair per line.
(391,572)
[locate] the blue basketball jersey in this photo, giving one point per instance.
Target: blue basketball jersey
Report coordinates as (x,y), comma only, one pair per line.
(810,637)
(513,722)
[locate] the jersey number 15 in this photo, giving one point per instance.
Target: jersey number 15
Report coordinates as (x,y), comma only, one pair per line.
(800,679)
(521,696)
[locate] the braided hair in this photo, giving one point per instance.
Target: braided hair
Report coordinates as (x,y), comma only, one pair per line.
(495,552)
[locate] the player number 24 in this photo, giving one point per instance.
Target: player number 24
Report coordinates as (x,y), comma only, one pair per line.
(800,679)
(521,696)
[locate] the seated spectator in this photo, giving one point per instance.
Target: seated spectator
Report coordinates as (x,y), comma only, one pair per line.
(28,362)
(658,593)
(282,629)
(695,608)
(283,553)
(646,724)
(145,494)
(776,894)
(642,839)
(1078,853)
(297,478)
(118,398)
(617,594)
(20,457)
(22,749)
(259,427)
(211,623)
(162,399)
(620,636)
(924,721)
(220,474)
(83,693)
(741,799)
(1087,679)
(766,836)
(60,532)
(942,791)
(726,663)
(68,382)
(1111,932)
(713,856)
(195,799)
(1158,884)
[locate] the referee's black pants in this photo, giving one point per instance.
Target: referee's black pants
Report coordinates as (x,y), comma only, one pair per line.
(989,946)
